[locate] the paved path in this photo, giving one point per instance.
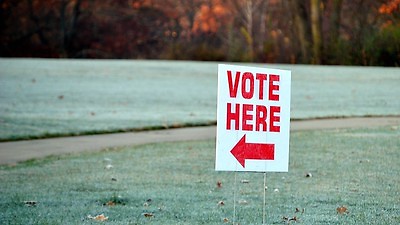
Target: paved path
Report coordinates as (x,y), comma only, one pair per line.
(13,152)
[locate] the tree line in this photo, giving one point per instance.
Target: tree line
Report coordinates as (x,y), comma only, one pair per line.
(333,32)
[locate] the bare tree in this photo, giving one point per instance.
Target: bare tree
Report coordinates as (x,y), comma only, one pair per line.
(251,14)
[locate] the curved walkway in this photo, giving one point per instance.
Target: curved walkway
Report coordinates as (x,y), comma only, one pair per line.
(13,152)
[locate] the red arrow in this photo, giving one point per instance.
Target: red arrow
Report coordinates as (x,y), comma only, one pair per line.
(243,151)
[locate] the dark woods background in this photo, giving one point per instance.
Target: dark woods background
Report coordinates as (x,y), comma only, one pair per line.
(347,32)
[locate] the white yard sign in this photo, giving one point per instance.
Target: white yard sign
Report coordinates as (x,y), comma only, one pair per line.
(253,119)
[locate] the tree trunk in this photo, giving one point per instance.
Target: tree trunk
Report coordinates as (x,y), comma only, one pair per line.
(63,29)
(248,9)
(300,19)
(316,31)
(68,27)
(38,28)
(262,33)
(335,21)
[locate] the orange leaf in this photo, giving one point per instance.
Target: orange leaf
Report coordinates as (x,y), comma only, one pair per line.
(341,210)
(110,203)
(100,217)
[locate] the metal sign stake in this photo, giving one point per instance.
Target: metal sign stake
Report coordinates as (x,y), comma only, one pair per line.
(264,203)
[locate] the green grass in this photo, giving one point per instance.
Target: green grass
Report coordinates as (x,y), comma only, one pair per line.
(46,97)
(176,184)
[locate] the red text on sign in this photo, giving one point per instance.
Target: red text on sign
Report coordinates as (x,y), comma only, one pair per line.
(249,82)
(249,117)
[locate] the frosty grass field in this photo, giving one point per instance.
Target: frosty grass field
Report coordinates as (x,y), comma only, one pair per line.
(348,176)
(42,97)
(345,176)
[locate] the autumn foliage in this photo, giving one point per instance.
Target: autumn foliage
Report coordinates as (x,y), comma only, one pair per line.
(362,32)
(389,7)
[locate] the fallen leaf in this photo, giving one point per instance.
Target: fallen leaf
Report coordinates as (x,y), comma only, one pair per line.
(243,202)
(226,220)
(110,203)
(115,200)
(109,166)
(219,184)
(288,219)
(100,217)
(341,210)
(30,203)
(300,210)
(148,214)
